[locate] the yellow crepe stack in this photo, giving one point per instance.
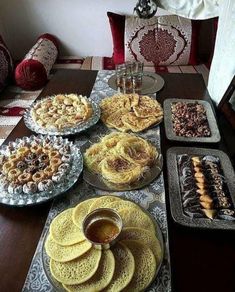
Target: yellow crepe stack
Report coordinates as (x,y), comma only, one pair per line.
(120,158)
(126,112)
(130,265)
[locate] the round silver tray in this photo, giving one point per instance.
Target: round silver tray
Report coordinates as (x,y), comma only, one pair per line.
(41,197)
(151,83)
(33,126)
(97,181)
(58,286)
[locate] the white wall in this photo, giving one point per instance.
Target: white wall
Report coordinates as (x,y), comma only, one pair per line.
(81,25)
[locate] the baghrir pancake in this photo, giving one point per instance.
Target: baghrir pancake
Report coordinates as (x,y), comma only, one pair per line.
(144,261)
(124,270)
(133,217)
(76,271)
(103,202)
(126,112)
(146,237)
(61,253)
(122,204)
(101,278)
(80,212)
(64,231)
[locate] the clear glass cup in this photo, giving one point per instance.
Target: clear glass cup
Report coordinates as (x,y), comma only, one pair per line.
(137,68)
(137,83)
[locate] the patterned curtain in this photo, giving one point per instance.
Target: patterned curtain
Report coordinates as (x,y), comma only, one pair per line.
(223,63)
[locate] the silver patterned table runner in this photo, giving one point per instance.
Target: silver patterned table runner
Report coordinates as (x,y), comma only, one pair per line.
(151,198)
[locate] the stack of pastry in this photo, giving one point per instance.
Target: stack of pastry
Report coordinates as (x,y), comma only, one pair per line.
(132,112)
(61,111)
(121,158)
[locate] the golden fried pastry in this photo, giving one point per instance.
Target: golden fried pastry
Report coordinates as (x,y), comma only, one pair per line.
(136,124)
(7,166)
(24,178)
(49,171)
(23,151)
(130,112)
(55,162)
(38,176)
(148,107)
(13,174)
(115,120)
(36,149)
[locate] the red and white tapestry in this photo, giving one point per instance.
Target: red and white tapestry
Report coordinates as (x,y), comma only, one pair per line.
(158,41)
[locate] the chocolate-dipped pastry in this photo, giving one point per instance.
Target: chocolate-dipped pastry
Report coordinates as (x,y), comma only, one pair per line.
(203,188)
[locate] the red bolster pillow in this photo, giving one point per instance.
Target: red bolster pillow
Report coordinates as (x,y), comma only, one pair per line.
(32,73)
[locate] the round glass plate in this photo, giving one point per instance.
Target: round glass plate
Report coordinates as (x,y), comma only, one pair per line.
(58,286)
(33,126)
(74,172)
(151,83)
(97,181)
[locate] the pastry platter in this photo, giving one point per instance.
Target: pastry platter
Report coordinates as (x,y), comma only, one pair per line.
(188,120)
(201,188)
(152,83)
(121,161)
(64,115)
(37,169)
(114,267)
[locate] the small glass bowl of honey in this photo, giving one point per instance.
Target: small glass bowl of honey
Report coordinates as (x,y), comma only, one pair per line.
(102,227)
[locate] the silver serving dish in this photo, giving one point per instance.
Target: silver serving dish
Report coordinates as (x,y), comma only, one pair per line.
(74,172)
(99,182)
(98,215)
(168,122)
(30,123)
(151,83)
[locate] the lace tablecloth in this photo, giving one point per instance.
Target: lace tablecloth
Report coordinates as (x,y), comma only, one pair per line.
(151,198)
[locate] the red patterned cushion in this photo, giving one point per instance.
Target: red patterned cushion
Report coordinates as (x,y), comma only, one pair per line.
(6,64)
(159,41)
(32,73)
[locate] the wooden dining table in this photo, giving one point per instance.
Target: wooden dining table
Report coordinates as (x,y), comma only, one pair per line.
(201,260)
